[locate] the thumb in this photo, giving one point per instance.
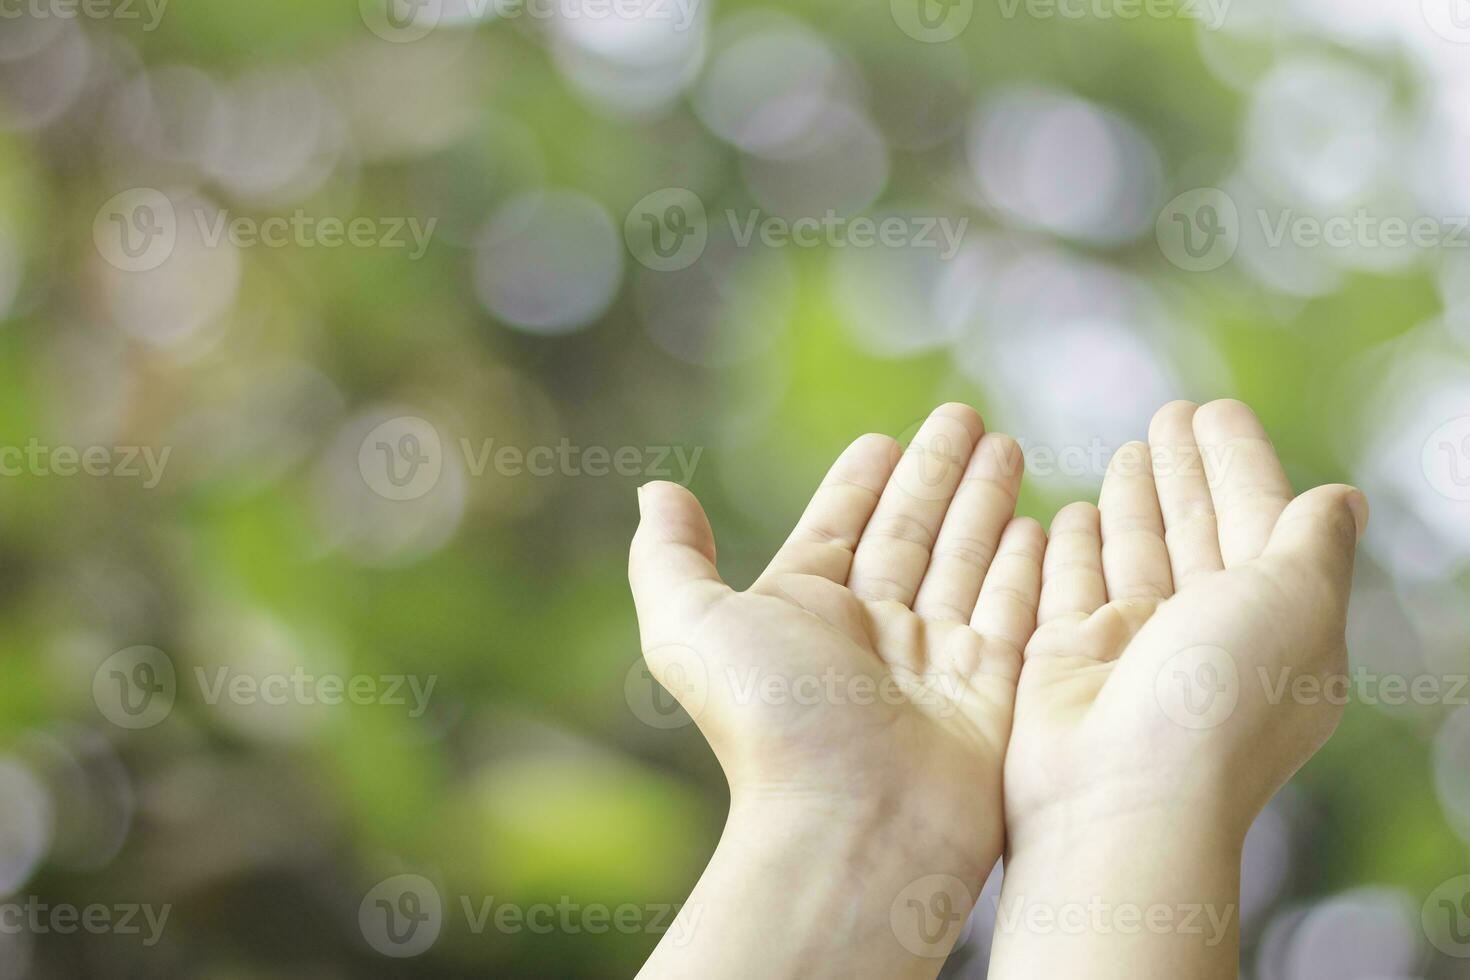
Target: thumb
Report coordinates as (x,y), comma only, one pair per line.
(1323,526)
(673,554)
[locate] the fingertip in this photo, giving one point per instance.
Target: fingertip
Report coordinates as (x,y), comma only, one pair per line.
(670,512)
(1357,502)
(1131,459)
(1175,415)
(875,444)
(1352,506)
(1024,535)
(1078,514)
(657,493)
(1027,525)
(964,414)
(1227,415)
(998,456)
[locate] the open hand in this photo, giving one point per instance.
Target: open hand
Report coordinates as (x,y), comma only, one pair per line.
(1191,627)
(872,667)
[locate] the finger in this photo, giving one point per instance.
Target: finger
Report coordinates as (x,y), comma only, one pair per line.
(1072,580)
(671,565)
(1184,494)
(1006,610)
(894,549)
(1247,484)
(972,529)
(1323,526)
(824,539)
(1135,559)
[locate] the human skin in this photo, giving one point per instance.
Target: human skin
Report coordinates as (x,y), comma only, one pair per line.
(859,699)
(1154,716)
(1152,722)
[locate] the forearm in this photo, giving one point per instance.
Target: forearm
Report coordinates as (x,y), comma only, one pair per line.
(1141,898)
(792,893)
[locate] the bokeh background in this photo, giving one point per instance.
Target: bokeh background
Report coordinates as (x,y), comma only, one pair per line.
(542,770)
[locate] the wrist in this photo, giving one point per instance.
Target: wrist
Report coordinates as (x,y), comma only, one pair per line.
(1197,818)
(887,833)
(1132,893)
(825,890)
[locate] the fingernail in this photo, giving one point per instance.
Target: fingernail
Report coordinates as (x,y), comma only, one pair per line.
(1357,502)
